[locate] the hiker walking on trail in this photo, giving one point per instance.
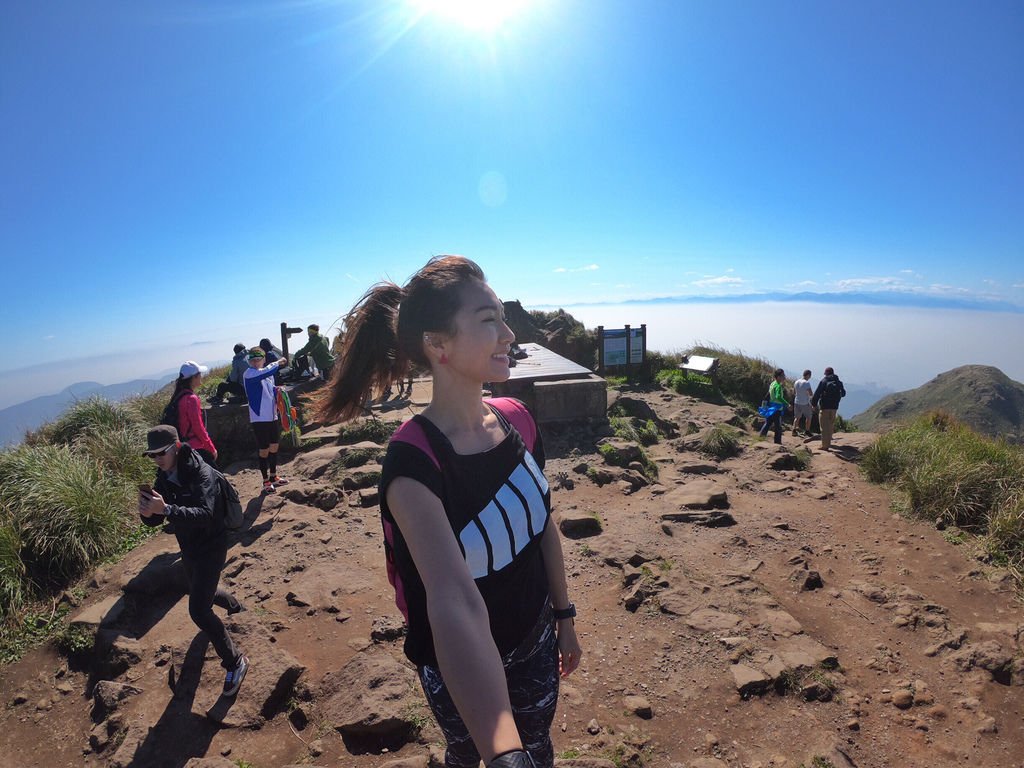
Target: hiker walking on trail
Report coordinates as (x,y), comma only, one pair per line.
(184,412)
(470,546)
(186,492)
(802,408)
(263,414)
(826,398)
(777,405)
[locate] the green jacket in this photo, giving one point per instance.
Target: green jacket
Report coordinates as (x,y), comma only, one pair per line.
(317,348)
(777,394)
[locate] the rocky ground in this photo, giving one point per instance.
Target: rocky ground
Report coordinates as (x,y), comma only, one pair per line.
(733,613)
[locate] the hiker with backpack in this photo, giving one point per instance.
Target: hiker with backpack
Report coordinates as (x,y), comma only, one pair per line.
(184,412)
(263,414)
(470,546)
(189,493)
(826,399)
(776,406)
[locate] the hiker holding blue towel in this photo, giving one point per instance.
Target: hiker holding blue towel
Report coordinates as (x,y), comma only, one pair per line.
(470,546)
(776,406)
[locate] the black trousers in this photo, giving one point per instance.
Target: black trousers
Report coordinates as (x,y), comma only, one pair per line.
(775,421)
(531,671)
(204,591)
(230,387)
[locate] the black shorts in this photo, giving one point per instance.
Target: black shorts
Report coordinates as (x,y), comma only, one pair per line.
(267,433)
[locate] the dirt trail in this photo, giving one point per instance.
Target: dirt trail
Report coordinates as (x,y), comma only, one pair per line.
(905,655)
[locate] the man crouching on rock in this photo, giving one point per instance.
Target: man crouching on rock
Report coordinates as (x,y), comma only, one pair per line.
(187,492)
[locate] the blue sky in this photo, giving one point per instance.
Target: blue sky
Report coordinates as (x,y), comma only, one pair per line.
(175,177)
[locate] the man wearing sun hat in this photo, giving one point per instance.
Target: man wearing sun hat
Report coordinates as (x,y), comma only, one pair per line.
(186,493)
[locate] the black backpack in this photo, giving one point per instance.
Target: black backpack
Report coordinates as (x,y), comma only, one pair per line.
(833,390)
(170,413)
(232,505)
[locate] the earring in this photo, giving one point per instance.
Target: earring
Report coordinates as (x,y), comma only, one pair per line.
(444,359)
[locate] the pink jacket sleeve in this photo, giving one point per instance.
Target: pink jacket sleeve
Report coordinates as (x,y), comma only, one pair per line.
(190,421)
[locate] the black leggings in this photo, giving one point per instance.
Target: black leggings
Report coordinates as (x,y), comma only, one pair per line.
(532,674)
(204,590)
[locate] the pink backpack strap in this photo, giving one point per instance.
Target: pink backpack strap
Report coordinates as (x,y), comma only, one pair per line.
(412,433)
(519,417)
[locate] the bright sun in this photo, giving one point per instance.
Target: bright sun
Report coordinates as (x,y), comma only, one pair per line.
(486,15)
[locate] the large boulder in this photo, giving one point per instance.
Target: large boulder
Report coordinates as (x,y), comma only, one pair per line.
(373,702)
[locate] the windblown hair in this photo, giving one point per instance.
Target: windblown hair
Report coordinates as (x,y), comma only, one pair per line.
(384,333)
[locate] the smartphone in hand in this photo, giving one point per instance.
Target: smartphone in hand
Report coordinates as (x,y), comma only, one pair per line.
(146,490)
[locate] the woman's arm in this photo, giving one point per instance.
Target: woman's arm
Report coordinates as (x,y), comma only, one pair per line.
(554,567)
(466,653)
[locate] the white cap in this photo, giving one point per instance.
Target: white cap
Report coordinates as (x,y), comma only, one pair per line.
(190,368)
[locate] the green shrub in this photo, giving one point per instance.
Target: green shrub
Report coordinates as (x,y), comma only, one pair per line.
(75,640)
(119,451)
(149,408)
(688,383)
(94,414)
(720,442)
(13,588)
(740,377)
(939,468)
(69,512)
(803,458)
(634,429)
(372,429)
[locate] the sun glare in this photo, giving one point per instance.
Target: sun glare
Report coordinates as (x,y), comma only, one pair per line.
(484,15)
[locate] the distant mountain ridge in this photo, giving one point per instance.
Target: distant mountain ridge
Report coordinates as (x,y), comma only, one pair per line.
(981,396)
(17,419)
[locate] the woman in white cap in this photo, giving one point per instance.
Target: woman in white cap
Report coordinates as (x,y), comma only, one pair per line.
(185,412)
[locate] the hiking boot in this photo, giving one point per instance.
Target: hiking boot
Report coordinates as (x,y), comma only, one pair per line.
(278,480)
(268,486)
(233,679)
(795,433)
(236,608)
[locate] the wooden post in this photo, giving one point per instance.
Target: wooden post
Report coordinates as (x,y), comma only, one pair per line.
(285,333)
(629,367)
(600,350)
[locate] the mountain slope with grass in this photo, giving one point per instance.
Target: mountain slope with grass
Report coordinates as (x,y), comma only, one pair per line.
(981,396)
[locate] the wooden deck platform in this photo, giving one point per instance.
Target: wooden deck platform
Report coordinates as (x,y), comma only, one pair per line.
(541,364)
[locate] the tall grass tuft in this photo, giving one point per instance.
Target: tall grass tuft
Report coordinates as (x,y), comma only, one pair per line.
(13,588)
(940,469)
(93,414)
(68,511)
(720,442)
(119,451)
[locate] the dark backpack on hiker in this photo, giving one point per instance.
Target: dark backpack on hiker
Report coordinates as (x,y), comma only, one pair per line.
(232,505)
(833,391)
(170,414)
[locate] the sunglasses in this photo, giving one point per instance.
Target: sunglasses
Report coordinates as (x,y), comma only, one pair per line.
(161,452)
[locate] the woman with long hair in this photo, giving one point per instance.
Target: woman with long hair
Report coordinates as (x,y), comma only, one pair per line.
(472,552)
(190,422)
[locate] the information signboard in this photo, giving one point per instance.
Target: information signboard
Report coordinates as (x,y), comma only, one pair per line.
(615,346)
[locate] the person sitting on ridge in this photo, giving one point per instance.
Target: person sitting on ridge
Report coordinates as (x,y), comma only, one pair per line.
(316,348)
(233,384)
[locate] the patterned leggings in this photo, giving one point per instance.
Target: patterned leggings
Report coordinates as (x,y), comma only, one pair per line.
(532,674)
